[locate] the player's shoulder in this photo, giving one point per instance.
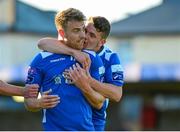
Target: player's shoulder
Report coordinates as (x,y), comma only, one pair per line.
(93,56)
(39,57)
(104,50)
(109,54)
(45,54)
(95,59)
(90,52)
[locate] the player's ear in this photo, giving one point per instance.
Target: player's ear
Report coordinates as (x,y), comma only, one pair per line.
(102,42)
(61,32)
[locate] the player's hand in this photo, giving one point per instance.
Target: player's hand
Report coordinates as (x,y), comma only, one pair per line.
(48,101)
(78,76)
(82,58)
(31,91)
(67,76)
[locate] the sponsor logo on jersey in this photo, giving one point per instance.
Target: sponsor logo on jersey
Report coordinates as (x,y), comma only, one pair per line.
(56,60)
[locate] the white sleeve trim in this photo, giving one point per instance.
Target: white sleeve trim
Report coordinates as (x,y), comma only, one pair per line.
(45,54)
(116,68)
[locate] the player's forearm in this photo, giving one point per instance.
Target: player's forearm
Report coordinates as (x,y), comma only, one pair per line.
(110,91)
(10,90)
(32,104)
(94,98)
(55,46)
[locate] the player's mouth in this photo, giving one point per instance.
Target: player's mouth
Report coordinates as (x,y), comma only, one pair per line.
(81,43)
(85,44)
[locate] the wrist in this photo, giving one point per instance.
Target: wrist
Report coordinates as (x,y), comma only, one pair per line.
(91,81)
(85,87)
(23,93)
(39,104)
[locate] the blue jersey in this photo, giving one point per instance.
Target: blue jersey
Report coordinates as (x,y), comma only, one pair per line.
(73,112)
(113,75)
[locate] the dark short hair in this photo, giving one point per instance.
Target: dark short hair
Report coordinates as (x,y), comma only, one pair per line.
(102,25)
(70,14)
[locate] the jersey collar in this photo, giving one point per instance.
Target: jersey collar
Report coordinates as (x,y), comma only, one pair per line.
(101,51)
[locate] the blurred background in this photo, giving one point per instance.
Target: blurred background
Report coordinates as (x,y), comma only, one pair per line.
(145,34)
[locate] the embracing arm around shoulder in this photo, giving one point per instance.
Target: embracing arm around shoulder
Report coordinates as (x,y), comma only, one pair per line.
(56,46)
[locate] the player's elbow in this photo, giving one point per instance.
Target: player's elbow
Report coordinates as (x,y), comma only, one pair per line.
(99,105)
(117,98)
(118,95)
(1,86)
(1,83)
(40,43)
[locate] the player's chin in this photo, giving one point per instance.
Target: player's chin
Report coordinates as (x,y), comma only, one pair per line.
(81,46)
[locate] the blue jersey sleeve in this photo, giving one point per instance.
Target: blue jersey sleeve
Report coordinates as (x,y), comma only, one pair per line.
(114,72)
(97,68)
(35,74)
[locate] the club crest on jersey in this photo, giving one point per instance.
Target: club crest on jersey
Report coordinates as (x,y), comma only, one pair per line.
(57,79)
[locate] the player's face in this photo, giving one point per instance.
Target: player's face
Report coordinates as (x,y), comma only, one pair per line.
(75,34)
(93,38)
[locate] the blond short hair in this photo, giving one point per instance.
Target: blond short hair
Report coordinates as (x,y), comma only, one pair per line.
(70,14)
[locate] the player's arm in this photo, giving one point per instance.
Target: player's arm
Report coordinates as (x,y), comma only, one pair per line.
(112,89)
(12,90)
(81,80)
(56,46)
